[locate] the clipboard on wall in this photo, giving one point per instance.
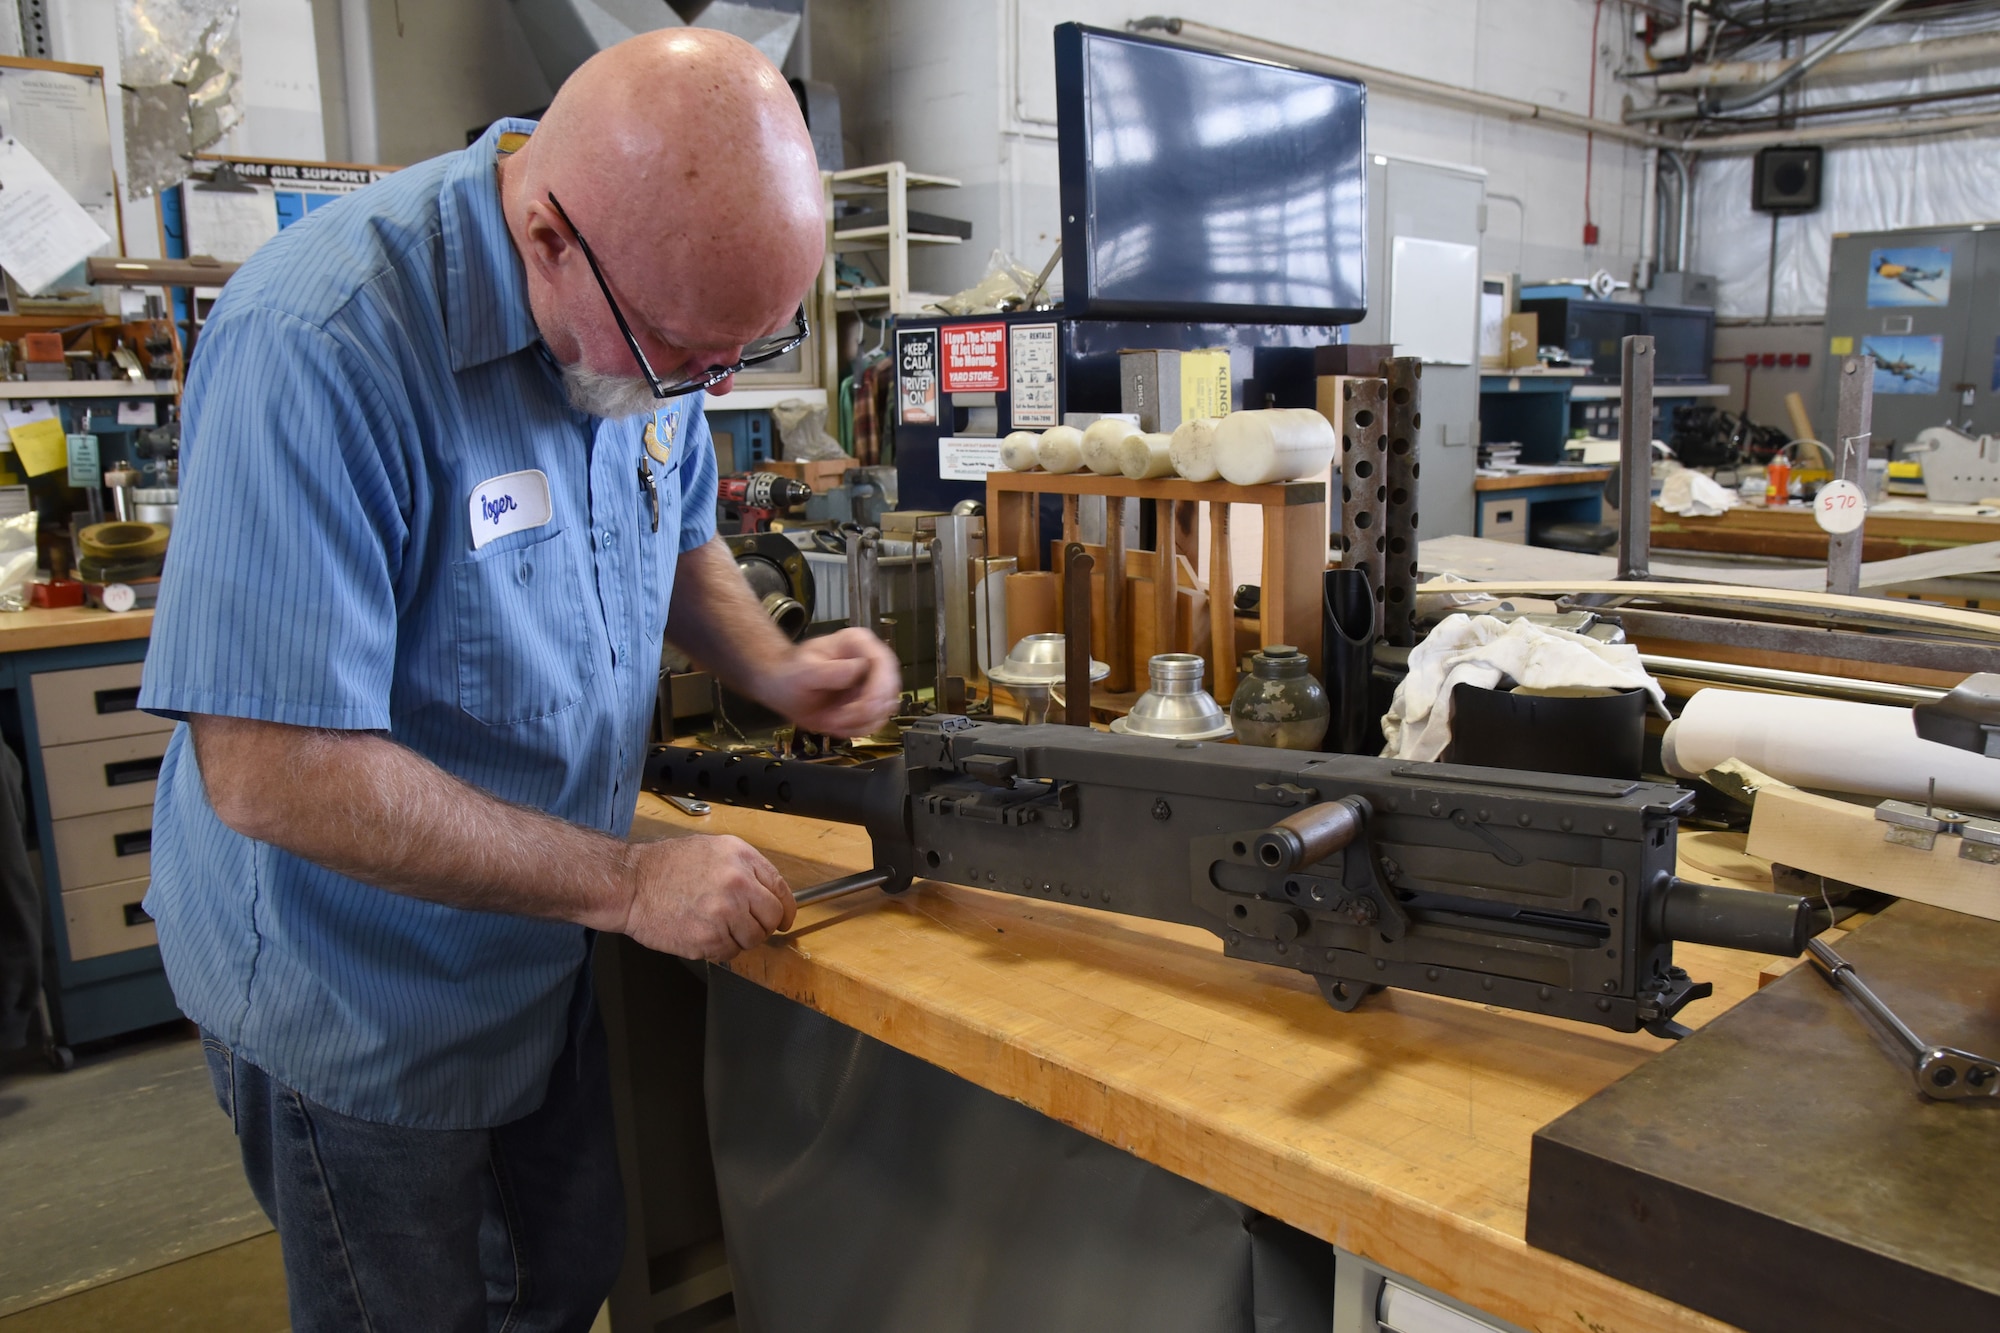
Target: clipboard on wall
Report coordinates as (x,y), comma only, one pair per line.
(58,112)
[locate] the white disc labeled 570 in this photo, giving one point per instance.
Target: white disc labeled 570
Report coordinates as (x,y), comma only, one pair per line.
(1840,507)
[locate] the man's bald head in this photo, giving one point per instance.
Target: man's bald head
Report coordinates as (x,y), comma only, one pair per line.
(682,158)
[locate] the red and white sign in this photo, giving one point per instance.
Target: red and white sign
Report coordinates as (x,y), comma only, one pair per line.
(975,358)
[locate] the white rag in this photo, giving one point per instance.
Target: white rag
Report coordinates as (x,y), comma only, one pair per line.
(1483,651)
(1694,494)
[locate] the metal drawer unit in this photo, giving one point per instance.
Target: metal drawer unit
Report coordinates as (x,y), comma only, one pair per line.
(97,849)
(92,761)
(107,919)
(92,704)
(93,776)
(1504,519)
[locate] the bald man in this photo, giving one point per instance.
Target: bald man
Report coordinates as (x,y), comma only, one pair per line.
(446,485)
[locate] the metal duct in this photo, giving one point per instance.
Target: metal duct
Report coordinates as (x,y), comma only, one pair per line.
(1902,58)
(565,33)
(1793,72)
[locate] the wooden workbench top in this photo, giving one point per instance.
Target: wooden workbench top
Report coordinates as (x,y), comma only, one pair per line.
(68,626)
(1522,481)
(1399,1132)
(1791,531)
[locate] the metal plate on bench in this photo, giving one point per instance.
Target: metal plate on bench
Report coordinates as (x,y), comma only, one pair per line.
(1778,1170)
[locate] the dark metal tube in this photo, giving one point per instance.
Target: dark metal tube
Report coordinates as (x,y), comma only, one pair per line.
(1405,428)
(1351,615)
(1364,479)
(1309,836)
(834,888)
(1635,458)
(1735,918)
(1076,635)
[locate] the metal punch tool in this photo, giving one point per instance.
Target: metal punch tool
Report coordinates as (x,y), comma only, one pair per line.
(1942,1073)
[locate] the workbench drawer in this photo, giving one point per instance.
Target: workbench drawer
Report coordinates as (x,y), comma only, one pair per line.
(107,919)
(117,774)
(96,849)
(92,703)
(1504,520)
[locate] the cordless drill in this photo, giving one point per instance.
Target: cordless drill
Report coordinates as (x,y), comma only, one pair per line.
(757,496)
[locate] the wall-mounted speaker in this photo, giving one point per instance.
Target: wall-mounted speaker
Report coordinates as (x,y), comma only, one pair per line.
(1787,180)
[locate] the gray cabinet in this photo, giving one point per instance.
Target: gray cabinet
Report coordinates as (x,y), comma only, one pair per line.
(1926,302)
(1430,202)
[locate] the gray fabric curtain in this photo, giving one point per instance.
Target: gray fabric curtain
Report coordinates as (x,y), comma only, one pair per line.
(865,1191)
(20,911)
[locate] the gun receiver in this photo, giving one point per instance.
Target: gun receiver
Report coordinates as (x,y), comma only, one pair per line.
(1540,892)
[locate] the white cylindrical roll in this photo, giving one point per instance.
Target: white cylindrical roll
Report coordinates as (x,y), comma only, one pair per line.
(1274,444)
(1060,449)
(1018,451)
(1143,457)
(1193,448)
(1865,749)
(1101,439)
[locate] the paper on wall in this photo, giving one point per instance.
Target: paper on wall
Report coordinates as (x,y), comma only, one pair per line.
(228,224)
(43,232)
(35,431)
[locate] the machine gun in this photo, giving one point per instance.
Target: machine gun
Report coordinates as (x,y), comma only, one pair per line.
(1540,892)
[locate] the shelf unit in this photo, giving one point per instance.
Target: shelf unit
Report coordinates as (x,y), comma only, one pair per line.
(891,182)
(37,389)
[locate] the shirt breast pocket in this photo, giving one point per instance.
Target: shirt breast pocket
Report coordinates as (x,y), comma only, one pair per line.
(523,632)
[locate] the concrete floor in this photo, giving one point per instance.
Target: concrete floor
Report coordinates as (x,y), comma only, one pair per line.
(124,1202)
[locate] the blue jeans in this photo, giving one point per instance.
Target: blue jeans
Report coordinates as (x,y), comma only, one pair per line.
(517,1229)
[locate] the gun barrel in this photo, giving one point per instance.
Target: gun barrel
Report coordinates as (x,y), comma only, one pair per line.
(1735,918)
(1312,834)
(846,795)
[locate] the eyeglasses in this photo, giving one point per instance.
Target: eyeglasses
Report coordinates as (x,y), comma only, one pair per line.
(753,353)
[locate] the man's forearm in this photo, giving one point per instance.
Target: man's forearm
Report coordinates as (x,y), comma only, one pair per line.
(716,620)
(362,805)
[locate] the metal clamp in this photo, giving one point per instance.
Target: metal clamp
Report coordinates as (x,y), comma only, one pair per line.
(1942,1073)
(1914,825)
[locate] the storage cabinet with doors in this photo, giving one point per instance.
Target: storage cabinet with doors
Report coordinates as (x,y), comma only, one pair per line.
(92,760)
(1926,302)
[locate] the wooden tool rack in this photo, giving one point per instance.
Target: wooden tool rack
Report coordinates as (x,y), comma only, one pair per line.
(1295,552)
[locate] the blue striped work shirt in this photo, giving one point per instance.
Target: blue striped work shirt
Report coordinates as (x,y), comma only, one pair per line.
(370,404)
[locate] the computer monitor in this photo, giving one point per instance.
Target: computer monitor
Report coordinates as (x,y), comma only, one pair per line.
(1683,342)
(1202,186)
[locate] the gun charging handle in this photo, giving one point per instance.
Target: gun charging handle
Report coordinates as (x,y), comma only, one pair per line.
(1744,919)
(1309,836)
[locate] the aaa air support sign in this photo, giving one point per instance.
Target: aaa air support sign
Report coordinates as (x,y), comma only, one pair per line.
(975,358)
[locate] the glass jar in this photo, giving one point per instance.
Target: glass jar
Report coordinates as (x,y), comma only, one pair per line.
(1279,704)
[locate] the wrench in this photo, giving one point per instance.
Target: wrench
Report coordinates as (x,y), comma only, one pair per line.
(1942,1073)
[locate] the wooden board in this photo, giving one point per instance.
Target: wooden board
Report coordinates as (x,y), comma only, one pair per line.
(1526,481)
(1277,494)
(1792,530)
(1399,1132)
(1941,619)
(62,627)
(1843,840)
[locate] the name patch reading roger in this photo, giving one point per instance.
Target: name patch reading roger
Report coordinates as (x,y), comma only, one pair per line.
(513,503)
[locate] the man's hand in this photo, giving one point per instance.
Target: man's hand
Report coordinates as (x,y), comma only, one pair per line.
(705,897)
(358,803)
(845,684)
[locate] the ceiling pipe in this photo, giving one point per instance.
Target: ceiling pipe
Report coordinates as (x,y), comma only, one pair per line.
(1973,49)
(1191,33)
(1797,70)
(1847,133)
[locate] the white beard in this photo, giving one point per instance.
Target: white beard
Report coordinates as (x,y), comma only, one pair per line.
(610,396)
